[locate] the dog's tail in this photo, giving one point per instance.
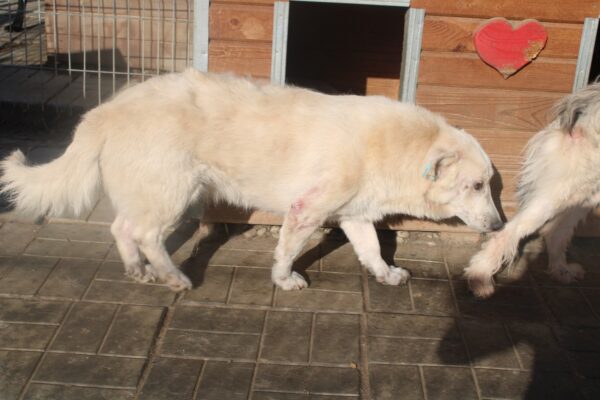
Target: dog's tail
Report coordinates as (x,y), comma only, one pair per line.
(68,185)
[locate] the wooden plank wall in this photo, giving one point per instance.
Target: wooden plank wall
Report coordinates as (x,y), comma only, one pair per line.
(502,113)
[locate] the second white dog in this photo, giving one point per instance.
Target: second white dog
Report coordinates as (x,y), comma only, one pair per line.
(162,145)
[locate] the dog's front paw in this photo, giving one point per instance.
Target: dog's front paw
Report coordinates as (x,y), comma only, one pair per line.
(394,276)
(295,281)
(481,287)
(566,273)
(177,281)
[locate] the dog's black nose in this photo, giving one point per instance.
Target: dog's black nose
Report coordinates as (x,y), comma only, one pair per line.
(497,225)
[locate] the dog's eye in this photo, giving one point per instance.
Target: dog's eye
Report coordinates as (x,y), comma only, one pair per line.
(478,186)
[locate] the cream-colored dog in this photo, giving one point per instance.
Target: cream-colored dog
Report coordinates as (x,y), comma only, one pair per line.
(164,144)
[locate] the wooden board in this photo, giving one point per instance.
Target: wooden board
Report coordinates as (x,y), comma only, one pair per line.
(467,70)
(572,10)
(241,22)
(489,108)
(245,58)
(455,34)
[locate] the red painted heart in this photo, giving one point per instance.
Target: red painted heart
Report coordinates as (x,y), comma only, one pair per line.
(509,48)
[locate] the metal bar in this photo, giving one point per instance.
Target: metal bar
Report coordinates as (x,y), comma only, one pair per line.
(55,34)
(99,60)
(69,61)
(411,53)
(128,43)
(10,35)
(41,27)
(200,35)
(586,53)
(83,41)
(143,41)
(394,3)
(114,47)
(159,37)
(173,36)
(187,33)
(280,34)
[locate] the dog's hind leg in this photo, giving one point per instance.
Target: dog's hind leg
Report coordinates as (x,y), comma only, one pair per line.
(557,235)
(152,244)
(363,237)
(122,231)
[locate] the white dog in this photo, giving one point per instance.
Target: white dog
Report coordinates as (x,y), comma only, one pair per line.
(559,186)
(164,144)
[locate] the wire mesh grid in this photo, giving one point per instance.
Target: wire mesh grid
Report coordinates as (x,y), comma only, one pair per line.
(99,45)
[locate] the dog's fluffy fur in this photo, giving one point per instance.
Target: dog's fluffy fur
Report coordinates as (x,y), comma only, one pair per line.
(162,145)
(559,185)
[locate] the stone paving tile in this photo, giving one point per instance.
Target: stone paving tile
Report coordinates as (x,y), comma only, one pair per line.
(70,278)
(213,287)
(417,351)
(40,391)
(15,369)
(424,269)
(416,326)
(220,345)
(63,248)
(113,270)
(129,292)
(426,249)
(537,347)
(335,282)
(449,383)
(218,319)
(336,339)
(593,297)
(507,384)
(340,257)
(18,310)
(252,286)
(241,258)
(34,269)
(171,378)
(569,306)
(85,327)
(25,336)
(77,232)
(296,378)
(319,300)
(389,298)
(287,336)
(90,370)
(391,382)
(295,396)
(15,237)
(133,330)
(432,296)
(222,380)
(489,344)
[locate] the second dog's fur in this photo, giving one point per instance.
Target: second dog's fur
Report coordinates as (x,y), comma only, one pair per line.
(559,185)
(162,145)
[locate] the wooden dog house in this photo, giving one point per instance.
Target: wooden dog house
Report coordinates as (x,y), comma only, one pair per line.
(413,50)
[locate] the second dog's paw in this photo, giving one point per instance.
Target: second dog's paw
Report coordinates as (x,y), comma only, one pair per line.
(394,276)
(295,281)
(177,281)
(481,287)
(566,273)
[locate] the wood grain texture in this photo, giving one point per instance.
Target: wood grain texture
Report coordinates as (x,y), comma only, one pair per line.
(244,58)
(489,108)
(455,34)
(544,10)
(467,70)
(241,22)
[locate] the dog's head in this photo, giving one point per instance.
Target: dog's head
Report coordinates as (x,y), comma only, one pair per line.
(579,113)
(459,172)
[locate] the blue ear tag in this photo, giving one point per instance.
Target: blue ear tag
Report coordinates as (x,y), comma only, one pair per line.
(426,172)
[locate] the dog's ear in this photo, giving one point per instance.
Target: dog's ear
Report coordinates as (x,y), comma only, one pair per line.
(437,162)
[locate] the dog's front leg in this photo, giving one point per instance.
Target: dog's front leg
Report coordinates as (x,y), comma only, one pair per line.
(502,248)
(364,239)
(295,231)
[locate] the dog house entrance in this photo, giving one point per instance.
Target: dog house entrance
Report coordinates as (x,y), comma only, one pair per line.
(345,47)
